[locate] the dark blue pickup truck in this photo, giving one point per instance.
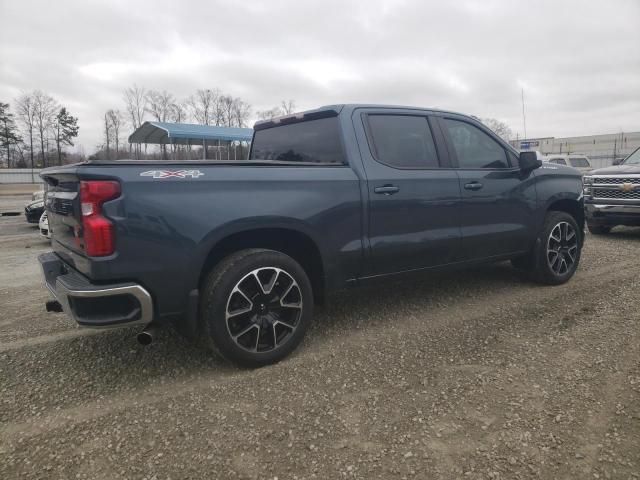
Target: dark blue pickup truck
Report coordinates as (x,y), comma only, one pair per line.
(236,253)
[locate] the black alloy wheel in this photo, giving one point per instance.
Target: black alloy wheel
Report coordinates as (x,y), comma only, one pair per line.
(255,307)
(263,309)
(562,248)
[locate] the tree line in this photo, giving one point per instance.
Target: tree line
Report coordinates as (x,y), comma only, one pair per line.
(35,129)
(207,106)
(35,132)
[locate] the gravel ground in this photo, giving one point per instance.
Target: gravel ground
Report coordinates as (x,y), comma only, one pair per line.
(477,374)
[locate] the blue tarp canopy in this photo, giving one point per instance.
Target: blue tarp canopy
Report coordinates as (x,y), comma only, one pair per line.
(188,133)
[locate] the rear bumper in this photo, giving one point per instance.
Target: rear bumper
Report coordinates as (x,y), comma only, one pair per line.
(97,306)
(612,215)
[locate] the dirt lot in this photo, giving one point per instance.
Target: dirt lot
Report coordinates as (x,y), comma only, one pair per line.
(477,374)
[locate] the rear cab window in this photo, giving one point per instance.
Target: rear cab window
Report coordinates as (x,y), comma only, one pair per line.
(309,141)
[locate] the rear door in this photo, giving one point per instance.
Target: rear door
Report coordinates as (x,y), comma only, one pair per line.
(413,192)
(498,201)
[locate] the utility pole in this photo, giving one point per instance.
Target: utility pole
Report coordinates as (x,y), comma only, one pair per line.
(524,118)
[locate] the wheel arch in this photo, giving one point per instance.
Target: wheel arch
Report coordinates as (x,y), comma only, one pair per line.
(572,206)
(292,241)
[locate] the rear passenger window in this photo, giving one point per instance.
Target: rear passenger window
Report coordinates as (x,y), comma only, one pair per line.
(473,147)
(402,141)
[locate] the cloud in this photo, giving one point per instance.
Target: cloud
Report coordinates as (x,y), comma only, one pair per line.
(577,60)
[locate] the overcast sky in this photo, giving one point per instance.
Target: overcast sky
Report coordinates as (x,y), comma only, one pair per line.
(578,61)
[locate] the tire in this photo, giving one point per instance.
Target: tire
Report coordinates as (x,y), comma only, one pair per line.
(599,229)
(255,307)
(556,253)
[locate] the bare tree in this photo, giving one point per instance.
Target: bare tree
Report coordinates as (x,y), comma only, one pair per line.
(179,113)
(288,106)
(115,121)
(159,106)
(25,109)
(271,113)
(107,134)
(499,127)
(235,111)
(45,111)
(203,105)
(241,112)
(136,104)
(219,110)
(226,102)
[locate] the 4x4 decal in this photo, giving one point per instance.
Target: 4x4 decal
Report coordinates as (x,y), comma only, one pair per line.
(172,173)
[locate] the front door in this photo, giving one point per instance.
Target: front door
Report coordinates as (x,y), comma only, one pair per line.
(413,193)
(498,200)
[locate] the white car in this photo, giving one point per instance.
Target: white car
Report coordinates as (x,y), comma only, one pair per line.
(43,224)
(39,195)
(579,162)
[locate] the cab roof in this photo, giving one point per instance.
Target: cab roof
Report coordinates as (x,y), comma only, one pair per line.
(335,110)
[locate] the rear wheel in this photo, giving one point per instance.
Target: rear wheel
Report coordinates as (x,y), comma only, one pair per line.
(255,307)
(556,254)
(599,229)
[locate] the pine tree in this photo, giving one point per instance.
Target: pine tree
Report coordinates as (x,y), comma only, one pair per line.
(8,130)
(66,129)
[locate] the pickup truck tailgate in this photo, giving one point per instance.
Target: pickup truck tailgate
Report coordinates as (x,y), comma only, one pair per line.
(62,202)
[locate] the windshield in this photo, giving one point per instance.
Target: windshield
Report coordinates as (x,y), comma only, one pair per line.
(633,159)
(580,162)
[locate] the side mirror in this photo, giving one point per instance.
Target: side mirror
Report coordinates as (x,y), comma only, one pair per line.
(618,161)
(529,161)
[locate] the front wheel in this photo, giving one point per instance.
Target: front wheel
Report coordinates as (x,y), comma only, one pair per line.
(255,307)
(556,254)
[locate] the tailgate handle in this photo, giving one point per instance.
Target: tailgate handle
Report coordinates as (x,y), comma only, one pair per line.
(387,189)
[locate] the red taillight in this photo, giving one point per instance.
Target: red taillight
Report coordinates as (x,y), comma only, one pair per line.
(98,231)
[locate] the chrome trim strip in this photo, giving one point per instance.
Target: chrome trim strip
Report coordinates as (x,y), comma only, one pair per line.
(608,199)
(616,175)
(633,209)
(612,186)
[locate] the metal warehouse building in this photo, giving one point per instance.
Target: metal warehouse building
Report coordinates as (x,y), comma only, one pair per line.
(601,149)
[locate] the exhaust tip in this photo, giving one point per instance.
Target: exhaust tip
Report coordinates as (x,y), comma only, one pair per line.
(145,338)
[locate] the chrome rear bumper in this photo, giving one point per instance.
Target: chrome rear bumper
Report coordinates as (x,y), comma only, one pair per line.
(95,306)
